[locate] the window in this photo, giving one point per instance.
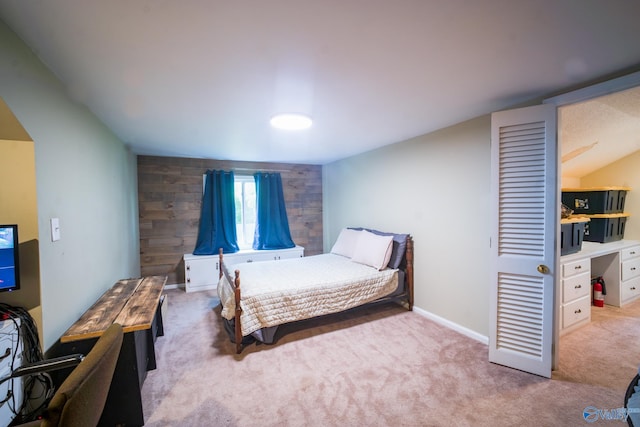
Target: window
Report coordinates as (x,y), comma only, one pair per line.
(245,196)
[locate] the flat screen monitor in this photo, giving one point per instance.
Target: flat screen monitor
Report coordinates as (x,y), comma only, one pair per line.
(9,265)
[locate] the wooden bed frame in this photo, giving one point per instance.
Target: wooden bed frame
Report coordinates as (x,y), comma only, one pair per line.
(235,283)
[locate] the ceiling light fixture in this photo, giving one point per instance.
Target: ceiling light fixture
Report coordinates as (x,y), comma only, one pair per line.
(291,121)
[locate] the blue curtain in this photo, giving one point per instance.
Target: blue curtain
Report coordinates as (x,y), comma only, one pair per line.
(272,225)
(218,215)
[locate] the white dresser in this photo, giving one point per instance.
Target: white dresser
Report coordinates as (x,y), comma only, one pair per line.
(619,265)
(575,282)
(10,358)
(630,275)
(201,272)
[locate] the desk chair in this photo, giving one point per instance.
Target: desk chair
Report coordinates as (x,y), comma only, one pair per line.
(81,397)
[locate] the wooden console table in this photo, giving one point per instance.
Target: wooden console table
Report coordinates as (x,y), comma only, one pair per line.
(136,304)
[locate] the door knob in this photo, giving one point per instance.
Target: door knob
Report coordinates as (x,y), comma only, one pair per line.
(543,269)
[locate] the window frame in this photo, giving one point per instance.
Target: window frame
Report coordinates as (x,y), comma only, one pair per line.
(244,230)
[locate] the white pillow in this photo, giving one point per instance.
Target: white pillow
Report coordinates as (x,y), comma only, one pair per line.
(345,244)
(373,250)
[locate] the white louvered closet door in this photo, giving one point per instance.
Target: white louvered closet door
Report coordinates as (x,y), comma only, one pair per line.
(523,241)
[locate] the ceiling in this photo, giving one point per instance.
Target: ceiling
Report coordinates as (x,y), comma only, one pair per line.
(202,78)
(598,132)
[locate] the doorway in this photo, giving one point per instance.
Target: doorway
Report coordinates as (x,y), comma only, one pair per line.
(599,145)
(531,132)
(18,193)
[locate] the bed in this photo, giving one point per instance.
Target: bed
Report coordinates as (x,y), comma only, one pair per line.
(364,266)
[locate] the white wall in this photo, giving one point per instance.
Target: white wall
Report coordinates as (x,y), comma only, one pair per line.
(85,177)
(437,188)
(624,172)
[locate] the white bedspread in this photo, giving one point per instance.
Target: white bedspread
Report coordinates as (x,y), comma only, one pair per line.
(278,292)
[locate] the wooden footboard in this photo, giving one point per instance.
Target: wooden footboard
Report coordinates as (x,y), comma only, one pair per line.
(409,271)
(234,281)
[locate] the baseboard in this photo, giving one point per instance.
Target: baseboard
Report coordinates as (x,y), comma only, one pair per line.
(451,325)
(174,286)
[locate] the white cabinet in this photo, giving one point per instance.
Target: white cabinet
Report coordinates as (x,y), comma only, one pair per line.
(10,358)
(618,263)
(201,272)
(576,294)
(630,274)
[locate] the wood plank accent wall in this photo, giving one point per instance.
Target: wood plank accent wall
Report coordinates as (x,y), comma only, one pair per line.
(169,198)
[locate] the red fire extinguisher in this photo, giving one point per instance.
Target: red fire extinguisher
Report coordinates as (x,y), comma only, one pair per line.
(598,292)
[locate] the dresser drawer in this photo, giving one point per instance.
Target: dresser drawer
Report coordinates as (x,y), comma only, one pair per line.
(576,287)
(629,289)
(630,269)
(238,258)
(629,253)
(576,267)
(263,255)
(243,257)
(576,311)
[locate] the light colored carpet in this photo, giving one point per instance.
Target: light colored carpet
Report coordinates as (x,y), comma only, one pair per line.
(380,366)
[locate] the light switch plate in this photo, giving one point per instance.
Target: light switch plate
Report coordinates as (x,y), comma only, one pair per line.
(55,229)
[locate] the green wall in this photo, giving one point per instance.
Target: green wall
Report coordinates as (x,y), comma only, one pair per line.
(85,177)
(437,188)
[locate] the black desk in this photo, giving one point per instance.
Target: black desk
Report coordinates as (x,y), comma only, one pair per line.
(141,318)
